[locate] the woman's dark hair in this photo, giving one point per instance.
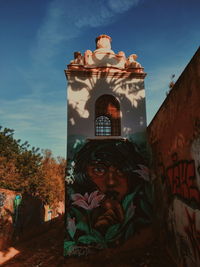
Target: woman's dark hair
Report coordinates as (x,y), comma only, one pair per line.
(120,153)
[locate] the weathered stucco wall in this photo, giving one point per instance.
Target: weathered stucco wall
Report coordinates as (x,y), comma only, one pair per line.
(174,135)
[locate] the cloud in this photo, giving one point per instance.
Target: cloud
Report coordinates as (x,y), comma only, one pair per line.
(120,6)
(65,20)
(39,116)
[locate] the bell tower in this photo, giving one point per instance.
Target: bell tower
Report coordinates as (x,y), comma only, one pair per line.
(106,95)
(106,121)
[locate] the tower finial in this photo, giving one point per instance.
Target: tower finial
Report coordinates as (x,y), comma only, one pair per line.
(103,41)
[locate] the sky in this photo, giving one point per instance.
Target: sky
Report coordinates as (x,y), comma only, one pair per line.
(38,39)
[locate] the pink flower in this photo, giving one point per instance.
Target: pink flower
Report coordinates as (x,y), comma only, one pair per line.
(87,202)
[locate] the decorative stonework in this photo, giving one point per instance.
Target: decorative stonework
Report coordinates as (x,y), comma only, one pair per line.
(104,57)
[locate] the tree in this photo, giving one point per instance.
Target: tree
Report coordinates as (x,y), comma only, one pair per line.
(26,170)
(18,164)
(52,173)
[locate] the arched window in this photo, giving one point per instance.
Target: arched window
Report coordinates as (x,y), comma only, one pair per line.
(107,116)
(103,126)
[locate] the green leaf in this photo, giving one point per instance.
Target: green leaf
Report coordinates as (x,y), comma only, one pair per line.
(68,246)
(149,192)
(146,207)
(112,231)
(129,213)
(71,233)
(129,198)
(142,221)
(98,236)
(87,239)
(79,216)
(83,227)
(129,231)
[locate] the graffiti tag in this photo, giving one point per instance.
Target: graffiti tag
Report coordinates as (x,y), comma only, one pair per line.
(193,233)
(181,180)
(80,251)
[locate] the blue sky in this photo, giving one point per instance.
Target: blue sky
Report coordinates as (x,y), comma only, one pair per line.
(38,39)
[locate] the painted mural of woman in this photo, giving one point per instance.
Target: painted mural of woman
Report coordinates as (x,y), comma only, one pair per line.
(109,197)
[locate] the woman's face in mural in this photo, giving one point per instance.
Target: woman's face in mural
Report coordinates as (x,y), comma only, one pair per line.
(109,179)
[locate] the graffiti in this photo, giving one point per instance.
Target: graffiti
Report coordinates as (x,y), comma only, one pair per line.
(193,233)
(177,143)
(195,152)
(196,128)
(17,202)
(181,180)
(80,250)
(184,248)
(2,199)
(110,196)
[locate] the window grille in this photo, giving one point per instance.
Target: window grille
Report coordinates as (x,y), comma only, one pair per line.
(103,126)
(107,116)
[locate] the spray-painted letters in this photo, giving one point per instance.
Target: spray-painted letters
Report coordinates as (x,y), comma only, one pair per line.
(181,180)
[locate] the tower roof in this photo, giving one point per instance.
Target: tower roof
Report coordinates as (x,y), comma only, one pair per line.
(104,57)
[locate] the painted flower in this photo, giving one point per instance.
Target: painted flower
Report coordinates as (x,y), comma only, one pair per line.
(143,172)
(71,227)
(87,202)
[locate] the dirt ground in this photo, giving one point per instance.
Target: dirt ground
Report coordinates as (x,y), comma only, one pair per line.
(47,249)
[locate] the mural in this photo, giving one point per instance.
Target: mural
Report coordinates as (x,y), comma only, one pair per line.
(109,196)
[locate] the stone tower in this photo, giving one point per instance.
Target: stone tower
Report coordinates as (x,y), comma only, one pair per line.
(106,122)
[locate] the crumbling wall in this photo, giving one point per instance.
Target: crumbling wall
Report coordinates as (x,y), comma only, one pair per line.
(174,136)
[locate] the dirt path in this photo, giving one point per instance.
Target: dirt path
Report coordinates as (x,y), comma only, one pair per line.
(46,250)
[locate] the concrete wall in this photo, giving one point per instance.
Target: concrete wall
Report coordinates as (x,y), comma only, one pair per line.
(174,135)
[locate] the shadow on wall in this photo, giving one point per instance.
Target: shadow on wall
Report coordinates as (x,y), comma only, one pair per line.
(28,216)
(85,89)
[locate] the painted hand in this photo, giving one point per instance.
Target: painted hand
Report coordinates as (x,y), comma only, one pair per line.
(113,214)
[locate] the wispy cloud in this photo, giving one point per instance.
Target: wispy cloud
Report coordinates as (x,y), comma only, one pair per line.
(66,19)
(40,115)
